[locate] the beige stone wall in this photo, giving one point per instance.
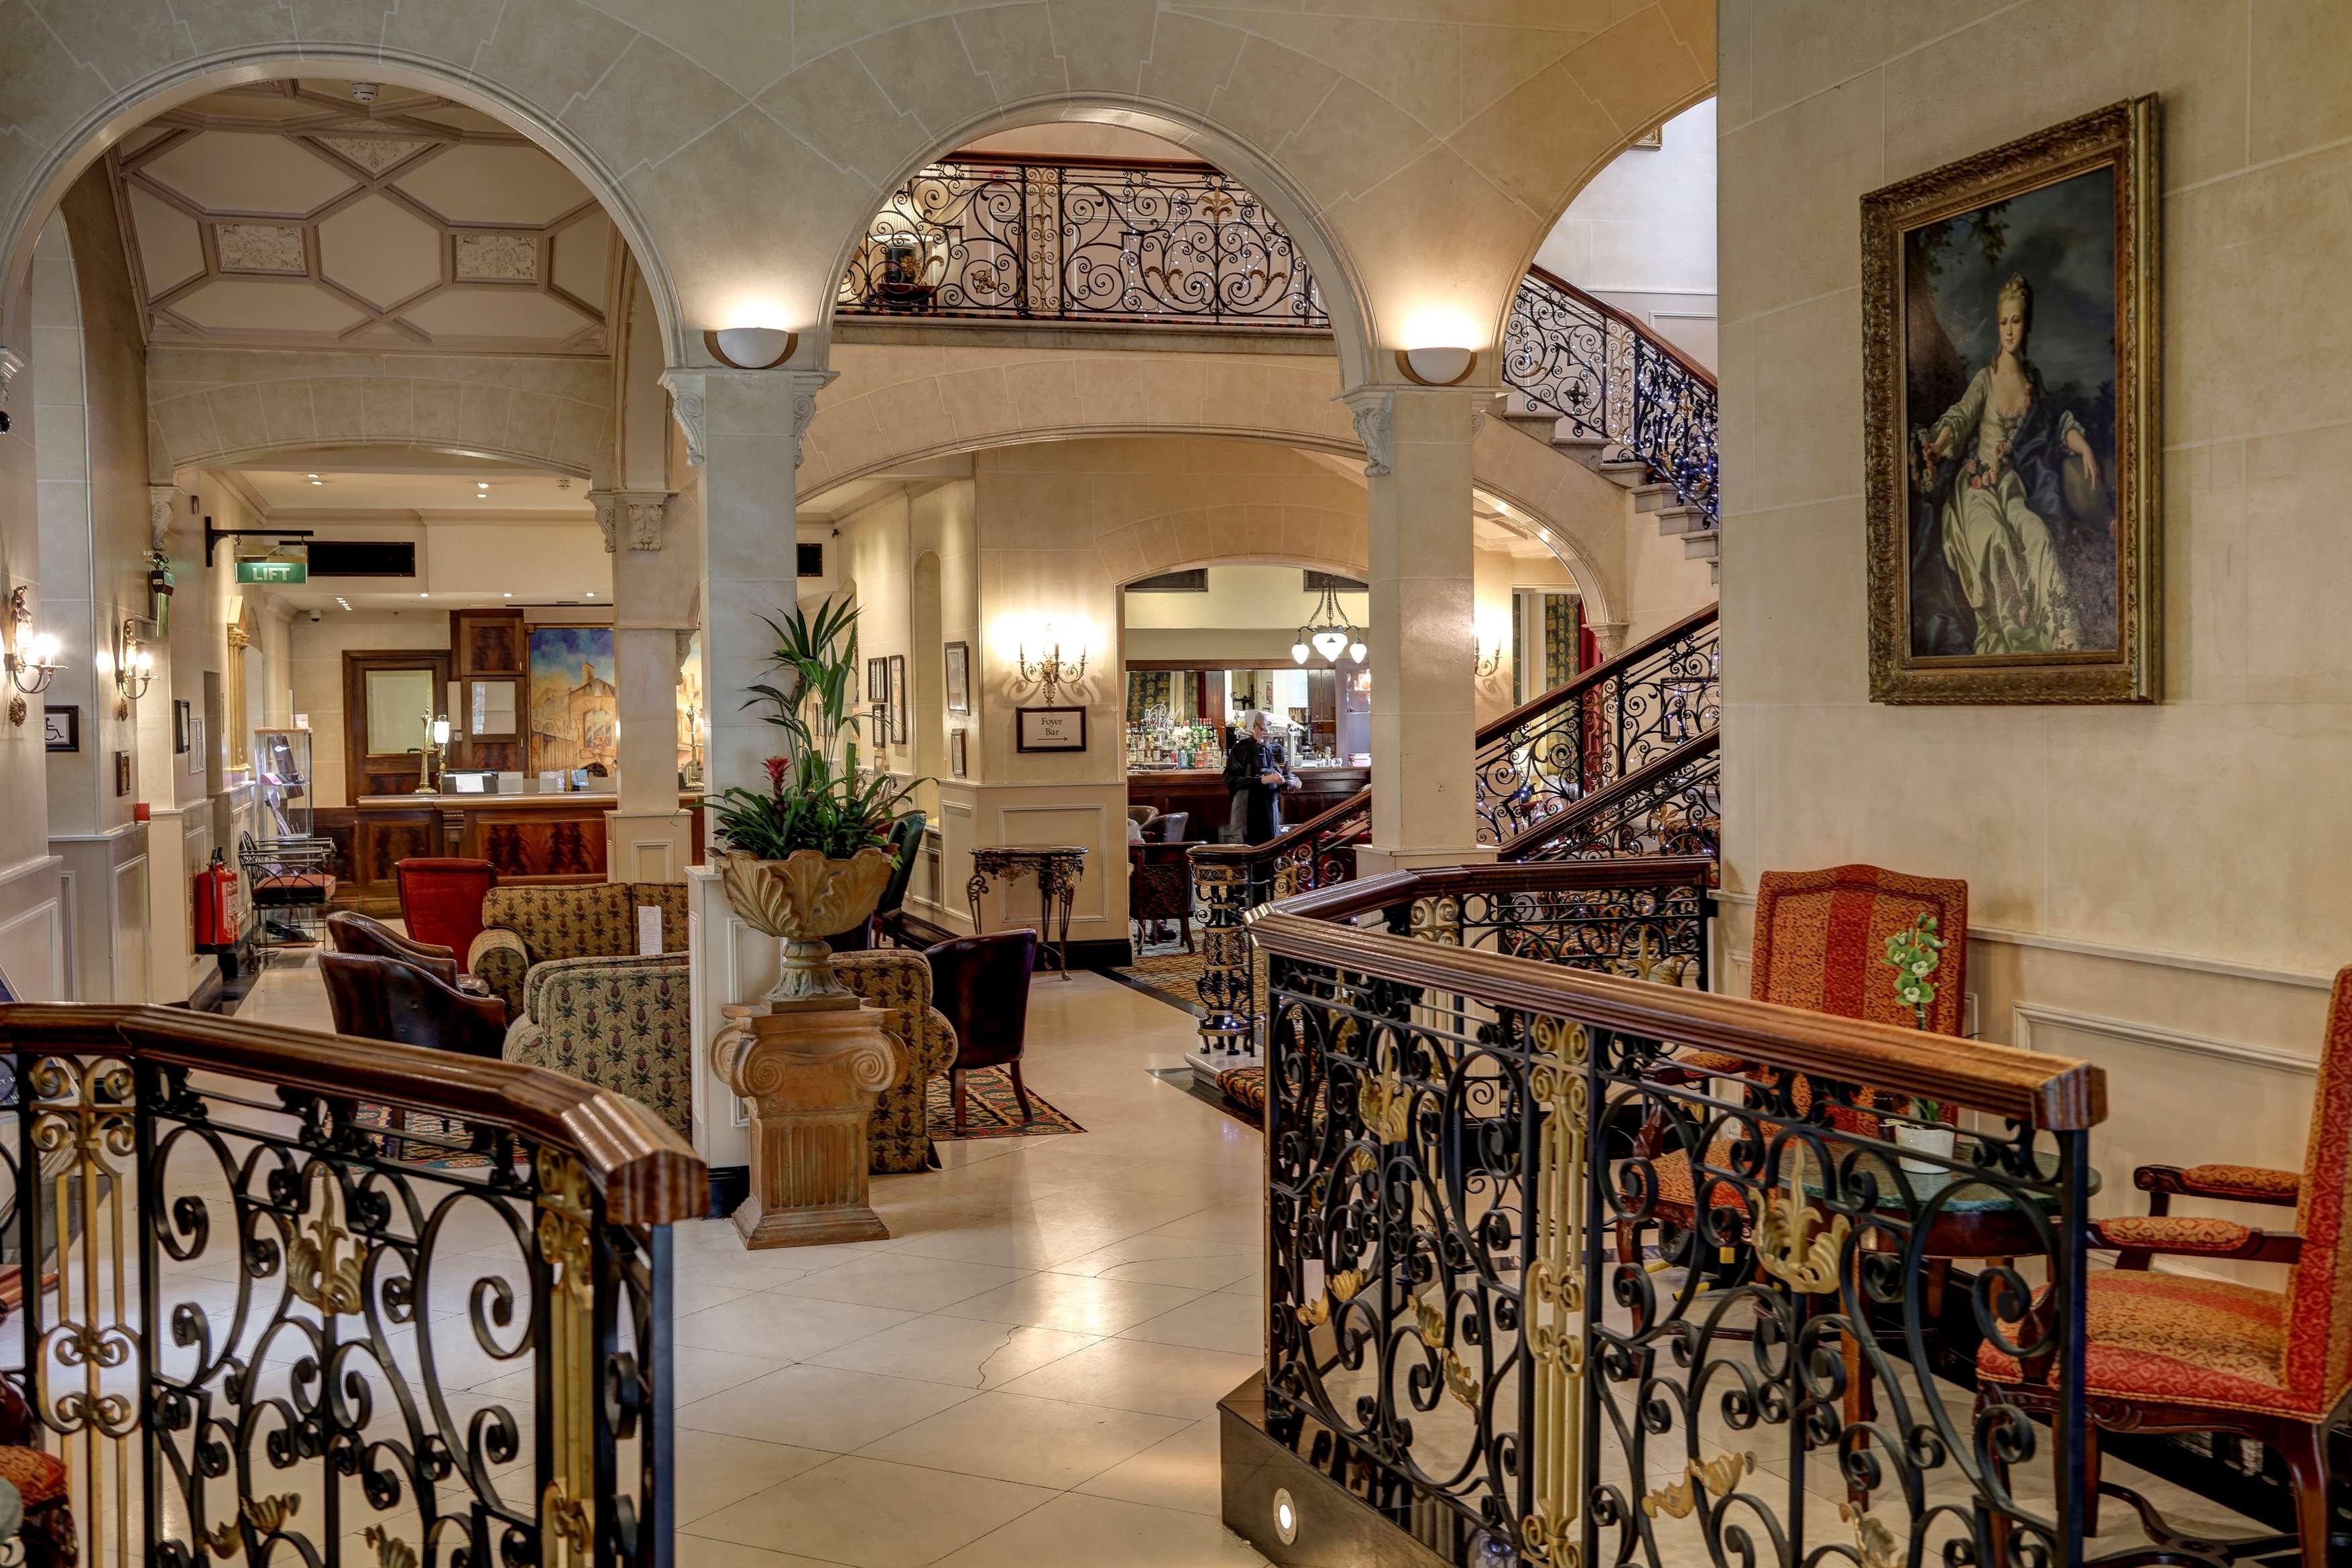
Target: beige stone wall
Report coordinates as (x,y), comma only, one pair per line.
(315,655)
(1496,575)
(2156,884)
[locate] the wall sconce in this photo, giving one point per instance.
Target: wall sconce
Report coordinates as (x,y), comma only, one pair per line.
(1437,367)
(751,348)
(1483,665)
(134,667)
(1051,671)
(32,658)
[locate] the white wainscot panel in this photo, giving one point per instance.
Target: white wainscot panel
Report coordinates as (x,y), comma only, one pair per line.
(1084,825)
(32,930)
(126,916)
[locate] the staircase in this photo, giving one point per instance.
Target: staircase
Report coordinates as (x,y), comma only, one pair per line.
(1597,386)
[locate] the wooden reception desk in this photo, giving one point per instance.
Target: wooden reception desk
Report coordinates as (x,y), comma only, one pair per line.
(1203,794)
(528,838)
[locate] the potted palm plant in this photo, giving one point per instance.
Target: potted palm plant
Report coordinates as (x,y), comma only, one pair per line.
(806,859)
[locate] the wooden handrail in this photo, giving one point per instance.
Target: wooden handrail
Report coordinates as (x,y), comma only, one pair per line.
(1605,308)
(2049,1093)
(1543,703)
(1535,834)
(648,1173)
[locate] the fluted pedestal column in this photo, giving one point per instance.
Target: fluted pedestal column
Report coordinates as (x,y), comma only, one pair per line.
(810,1072)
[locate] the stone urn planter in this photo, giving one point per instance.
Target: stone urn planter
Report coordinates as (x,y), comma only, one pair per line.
(801,900)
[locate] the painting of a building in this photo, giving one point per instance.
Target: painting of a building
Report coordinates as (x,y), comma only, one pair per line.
(574,705)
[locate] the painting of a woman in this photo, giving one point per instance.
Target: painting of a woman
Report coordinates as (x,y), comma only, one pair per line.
(2001,457)
(2010,411)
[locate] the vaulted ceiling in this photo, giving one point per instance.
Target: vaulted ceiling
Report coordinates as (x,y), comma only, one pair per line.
(330,214)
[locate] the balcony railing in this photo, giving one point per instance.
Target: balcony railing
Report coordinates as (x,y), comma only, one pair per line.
(1184,245)
(1080,241)
(249,1307)
(1539,1296)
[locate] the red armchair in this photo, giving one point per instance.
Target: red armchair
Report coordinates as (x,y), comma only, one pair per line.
(441,900)
(2182,1352)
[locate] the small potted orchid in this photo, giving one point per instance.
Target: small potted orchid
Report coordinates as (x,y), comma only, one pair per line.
(1914,955)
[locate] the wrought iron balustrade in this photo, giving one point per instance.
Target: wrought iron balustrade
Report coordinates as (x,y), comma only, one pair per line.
(247,1308)
(1612,380)
(1537,1296)
(1229,880)
(1081,240)
(1550,756)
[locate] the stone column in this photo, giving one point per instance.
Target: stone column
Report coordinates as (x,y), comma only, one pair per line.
(743,430)
(810,1072)
(656,581)
(1423,632)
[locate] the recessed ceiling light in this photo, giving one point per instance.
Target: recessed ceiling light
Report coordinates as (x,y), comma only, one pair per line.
(591,593)
(506,596)
(310,476)
(317,481)
(424,596)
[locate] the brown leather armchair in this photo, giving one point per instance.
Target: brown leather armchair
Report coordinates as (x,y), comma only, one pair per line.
(1160,888)
(392,998)
(982,985)
(352,933)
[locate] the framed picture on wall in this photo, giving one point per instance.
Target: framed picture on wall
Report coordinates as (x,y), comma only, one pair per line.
(179,726)
(960,677)
(2011,405)
(122,773)
(62,729)
(955,753)
(878,725)
(1050,729)
(897,699)
(195,743)
(878,681)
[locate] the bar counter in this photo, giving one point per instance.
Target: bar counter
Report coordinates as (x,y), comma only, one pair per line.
(1203,793)
(551,839)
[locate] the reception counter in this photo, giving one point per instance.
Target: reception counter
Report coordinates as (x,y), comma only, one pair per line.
(1203,794)
(528,838)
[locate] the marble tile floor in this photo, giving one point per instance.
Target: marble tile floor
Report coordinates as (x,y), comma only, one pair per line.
(1025,1373)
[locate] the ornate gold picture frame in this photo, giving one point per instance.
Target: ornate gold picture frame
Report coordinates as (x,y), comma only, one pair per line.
(2010,406)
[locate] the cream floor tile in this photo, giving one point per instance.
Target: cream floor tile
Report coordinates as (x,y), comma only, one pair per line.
(820,1407)
(1102,1533)
(966,1352)
(1215,1322)
(701,1551)
(1135,1375)
(1073,1303)
(1017,1437)
(1152,1258)
(1242,1225)
(904,1280)
(1179,1472)
(783,1328)
(715,1469)
(869,1514)
(1007,1240)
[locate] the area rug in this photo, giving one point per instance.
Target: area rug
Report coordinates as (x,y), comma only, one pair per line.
(990,1110)
(1173,977)
(422,1146)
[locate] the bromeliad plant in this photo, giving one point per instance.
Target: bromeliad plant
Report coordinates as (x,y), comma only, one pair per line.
(1914,956)
(815,799)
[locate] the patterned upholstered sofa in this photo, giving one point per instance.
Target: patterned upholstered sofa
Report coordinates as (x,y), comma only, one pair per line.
(522,927)
(898,1139)
(623,1024)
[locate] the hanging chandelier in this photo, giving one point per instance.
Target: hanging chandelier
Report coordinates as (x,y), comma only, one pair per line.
(1330,633)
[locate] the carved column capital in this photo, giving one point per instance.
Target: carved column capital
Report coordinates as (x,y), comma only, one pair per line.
(1611,637)
(160,500)
(635,516)
(686,393)
(1375,411)
(11,361)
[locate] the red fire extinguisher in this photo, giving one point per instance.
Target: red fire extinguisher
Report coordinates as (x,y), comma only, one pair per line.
(217,923)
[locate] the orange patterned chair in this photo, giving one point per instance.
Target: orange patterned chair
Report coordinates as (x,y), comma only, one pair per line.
(45,1533)
(1820,945)
(2178,1353)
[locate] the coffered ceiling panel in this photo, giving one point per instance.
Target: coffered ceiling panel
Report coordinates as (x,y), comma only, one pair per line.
(379,215)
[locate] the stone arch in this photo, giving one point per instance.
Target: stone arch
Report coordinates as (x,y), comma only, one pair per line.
(1343,298)
(892,407)
(116,113)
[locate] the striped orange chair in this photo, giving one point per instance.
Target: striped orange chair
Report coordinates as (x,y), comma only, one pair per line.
(2180,1353)
(1820,945)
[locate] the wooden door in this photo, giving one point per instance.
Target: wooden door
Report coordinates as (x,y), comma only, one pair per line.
(387,756)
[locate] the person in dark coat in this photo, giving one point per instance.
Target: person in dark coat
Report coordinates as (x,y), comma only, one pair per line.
(1259,775)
